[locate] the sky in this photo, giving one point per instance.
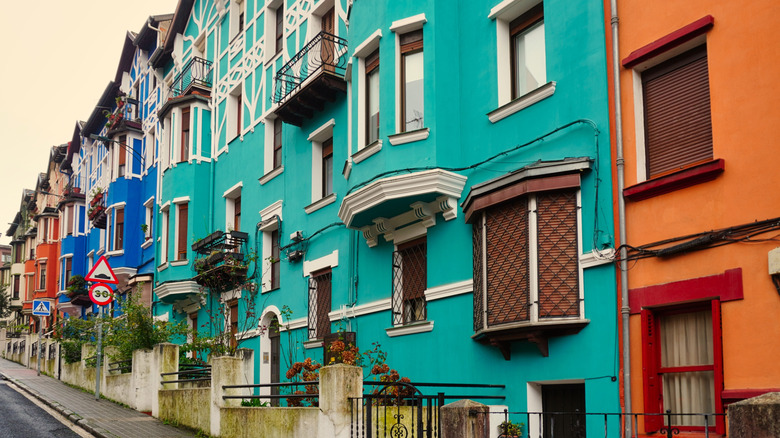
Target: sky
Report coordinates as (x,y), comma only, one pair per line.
(58,57)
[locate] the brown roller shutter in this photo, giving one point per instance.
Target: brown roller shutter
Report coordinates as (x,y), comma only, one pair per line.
(678,127)
(507,265)
(558,253)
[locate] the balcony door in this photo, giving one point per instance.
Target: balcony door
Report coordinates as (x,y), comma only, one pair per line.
(328,45)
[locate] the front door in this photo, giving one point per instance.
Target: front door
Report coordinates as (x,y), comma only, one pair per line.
(273,335)
(561,404)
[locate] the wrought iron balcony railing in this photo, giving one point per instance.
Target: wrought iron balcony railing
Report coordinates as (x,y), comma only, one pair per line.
(324,53)
(197,71)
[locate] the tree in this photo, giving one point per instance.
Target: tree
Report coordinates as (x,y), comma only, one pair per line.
(5,302)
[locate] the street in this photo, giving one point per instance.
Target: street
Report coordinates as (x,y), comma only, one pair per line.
(23,418)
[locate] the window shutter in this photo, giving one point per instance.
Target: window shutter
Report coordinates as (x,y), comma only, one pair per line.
(558,254)
(652,392)
(323,304)
(678,127)
(477,278)
(508,280)
(182,237)
(415,262)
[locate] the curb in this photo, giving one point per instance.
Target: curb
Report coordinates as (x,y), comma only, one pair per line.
(67,413)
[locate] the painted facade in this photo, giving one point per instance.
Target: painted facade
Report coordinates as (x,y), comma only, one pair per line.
(701,225)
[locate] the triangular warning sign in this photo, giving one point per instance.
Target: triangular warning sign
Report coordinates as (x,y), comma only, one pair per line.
(41,308)
(102,272)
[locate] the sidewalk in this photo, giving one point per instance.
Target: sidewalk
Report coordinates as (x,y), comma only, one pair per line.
(101,418)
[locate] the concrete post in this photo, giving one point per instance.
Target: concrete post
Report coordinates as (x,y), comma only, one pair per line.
(337,384)
(757,417)
(225,370)
(465,419)
(248,356)
(165,359)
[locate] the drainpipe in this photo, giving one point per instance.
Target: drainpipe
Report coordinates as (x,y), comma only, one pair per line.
(624,309)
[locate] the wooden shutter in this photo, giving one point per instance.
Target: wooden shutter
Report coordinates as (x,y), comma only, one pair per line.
(411,41)
(557,254)
(507,264)
(319,302)
(182,232)
(652,392)
(414,268)
(678,127)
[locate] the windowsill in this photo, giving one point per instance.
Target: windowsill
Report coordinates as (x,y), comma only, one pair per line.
(537,332)
(330,199)
(675,181)
(115,253)
(367,151)
(314,343)
(522,102)
(409,136)
(147,243)
(180,263)
(410,329)
(265,291)
(271,175)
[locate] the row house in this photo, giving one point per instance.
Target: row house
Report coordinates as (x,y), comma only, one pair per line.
(701,265)
(467,230)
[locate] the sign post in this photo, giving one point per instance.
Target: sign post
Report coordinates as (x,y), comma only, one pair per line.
(100,294)
(40,309)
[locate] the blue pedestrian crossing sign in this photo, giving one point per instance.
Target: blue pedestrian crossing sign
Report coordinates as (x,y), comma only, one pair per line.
(41,308)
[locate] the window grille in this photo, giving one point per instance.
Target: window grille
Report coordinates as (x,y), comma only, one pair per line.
(410,279)
(319,304)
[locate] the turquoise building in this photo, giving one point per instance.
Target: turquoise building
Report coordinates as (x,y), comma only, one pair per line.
(431,176)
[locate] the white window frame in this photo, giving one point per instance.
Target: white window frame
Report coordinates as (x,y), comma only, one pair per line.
(111,229)
(149,222)
(271,220)
(236,7)
(234,131)
(364,49)
(270,35)
(268,153)
(177,223)
(165,212)
(317,137)
(399,28)
(230,196)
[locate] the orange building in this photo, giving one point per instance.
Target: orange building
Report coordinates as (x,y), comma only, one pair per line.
(697,106)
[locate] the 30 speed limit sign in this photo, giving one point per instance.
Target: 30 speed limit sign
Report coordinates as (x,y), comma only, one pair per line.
(101,294)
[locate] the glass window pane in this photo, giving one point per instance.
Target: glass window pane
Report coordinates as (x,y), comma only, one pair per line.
(530,63)
(373,106)
(686,339)
(691,392)
(413,91)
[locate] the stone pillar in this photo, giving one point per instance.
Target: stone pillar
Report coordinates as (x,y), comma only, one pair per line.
(225,370)
(757,417)
(165,359)
(248,356)
(337,384)
(143,382)
(465,419)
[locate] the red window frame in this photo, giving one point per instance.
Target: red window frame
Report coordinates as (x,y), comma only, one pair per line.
(652,370)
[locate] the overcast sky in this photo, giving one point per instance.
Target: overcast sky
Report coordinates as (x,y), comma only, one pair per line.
(58,57)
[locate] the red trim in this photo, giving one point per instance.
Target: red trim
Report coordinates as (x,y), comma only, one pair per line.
(650,383)
(717,352)
(726,287)
(734,395)
(675,181)
(670,41)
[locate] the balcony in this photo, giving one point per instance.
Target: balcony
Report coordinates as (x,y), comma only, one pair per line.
(196,77)
(313,76)
(221,264)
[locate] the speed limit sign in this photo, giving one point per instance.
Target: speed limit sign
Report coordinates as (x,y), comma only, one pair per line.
(101,294)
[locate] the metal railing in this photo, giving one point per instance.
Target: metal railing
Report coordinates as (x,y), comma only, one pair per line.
(325,52)
(293,399)
(197,71)
(123,366)
(189,373)
(584,424)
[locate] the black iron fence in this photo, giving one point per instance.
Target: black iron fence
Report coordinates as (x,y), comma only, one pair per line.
(595,424)
(197,71)
(189,373)
(325,52)
(122,366)
(277,392)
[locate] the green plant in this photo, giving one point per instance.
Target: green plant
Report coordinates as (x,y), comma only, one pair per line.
(76,285)
(254,402)
(144,228)
(511,429)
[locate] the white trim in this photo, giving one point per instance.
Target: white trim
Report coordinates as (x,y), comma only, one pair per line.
(271,175)
(165,207)
(179,262)
(324,132)
(522,102)
(409,136)
(360,310)
(597,258)
(233,191)
(408,24)
(181,200)
(322,202)
(294,324)
(66,256)
(409,232)
(115,253)
(115,205)
(177,288)
(449,290)
(368,45)
(149,202)
(367,151)
(147,243)
(510,9)
(312,343)
(272,210)
(410,329)
(331,260)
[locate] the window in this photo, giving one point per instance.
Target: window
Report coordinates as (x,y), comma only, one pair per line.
(682,363)
(233,308)
(119,228)
(528,63)
(148,218)
(270,226)
(181,231)
(166,235)
(410,279)
(275,265)
(42,276)
(678,127)
(277,142)
(412,91)
(327,167)
(68,271)
(238,112)
(69,211)
(237,214)
(526,259)
(237,15)
(321,166)
(279,29)
(16,287)
(233,207)
(184,146)
(122,151)
(45,227)
(372,97)
(319,303)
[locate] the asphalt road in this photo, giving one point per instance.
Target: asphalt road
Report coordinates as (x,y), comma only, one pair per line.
(21,418)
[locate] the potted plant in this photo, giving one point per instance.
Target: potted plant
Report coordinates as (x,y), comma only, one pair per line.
(77,285)
(510,429)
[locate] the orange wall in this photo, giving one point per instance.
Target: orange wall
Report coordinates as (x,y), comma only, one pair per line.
(743,59)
